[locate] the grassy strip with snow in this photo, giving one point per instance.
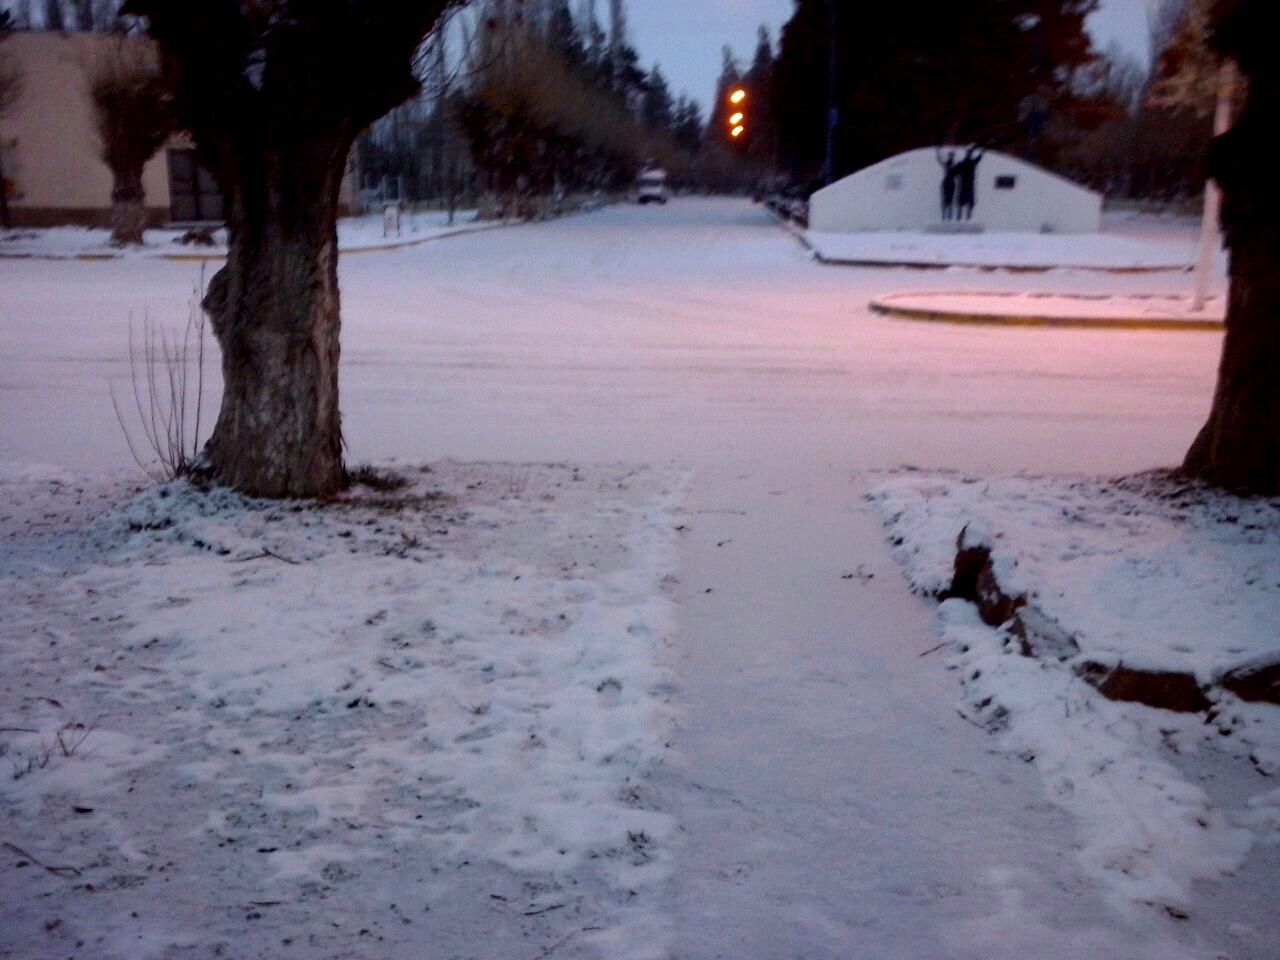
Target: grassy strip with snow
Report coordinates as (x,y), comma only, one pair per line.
(1143,571)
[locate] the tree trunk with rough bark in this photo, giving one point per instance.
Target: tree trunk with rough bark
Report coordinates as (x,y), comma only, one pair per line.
(4,195)
(275,311)
(128,208)
(275,93)
(1239,447)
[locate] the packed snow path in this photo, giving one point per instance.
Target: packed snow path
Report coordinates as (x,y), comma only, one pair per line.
(834,803)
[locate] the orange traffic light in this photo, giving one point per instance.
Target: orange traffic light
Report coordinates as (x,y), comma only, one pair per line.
(738,118)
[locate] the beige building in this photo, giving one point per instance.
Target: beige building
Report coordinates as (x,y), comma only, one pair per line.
(50,154)
(53,169)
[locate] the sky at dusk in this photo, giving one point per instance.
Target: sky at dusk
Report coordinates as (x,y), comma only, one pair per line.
(685,36)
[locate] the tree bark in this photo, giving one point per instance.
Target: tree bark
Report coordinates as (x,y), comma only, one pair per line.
(1239,447)
(128,209)
(4,194)
(275,311)
(274,93)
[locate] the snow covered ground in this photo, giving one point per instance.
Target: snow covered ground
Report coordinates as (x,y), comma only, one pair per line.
(827,792)
(1144,572)
(355,234)
(1119,247)
(358,723)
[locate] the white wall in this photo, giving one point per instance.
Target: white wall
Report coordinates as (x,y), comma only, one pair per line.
(905,193)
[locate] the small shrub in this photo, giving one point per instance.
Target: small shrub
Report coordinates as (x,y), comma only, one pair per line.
(166,399)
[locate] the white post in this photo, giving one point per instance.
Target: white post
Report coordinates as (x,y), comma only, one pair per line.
(1209,233)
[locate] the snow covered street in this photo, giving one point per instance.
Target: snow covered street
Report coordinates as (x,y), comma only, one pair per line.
(824,795)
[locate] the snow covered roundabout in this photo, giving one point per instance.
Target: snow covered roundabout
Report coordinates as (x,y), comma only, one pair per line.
(1019,309)
(251,729)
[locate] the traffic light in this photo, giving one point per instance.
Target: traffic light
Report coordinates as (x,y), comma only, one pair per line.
(738,115)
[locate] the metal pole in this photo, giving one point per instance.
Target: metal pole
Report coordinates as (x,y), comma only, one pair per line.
(833,111)
(1209,238)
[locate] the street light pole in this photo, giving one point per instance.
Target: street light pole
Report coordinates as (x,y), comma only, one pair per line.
(833,111)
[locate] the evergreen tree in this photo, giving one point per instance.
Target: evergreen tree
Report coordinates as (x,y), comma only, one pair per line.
(54,18)
(762,63)
(656,105)
(82,15)
(617,34)
(916,72)
(761,143)
(687,125)
(593,37)
(730,78)
(565,36)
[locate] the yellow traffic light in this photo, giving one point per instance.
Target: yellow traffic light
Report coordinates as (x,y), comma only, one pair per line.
(738,119)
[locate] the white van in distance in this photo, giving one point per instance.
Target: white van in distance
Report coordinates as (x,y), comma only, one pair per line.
(651,186)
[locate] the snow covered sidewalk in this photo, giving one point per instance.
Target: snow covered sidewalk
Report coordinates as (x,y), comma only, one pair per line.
(355,235)
(1148,574)
(233,725)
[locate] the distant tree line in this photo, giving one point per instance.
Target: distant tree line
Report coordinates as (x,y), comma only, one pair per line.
(1018,75)
(547,103)
(1153,144)
(914,73)
(758,147)
(96,16)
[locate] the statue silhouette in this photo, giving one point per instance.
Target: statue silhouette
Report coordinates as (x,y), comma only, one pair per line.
(967,177)
(948,164)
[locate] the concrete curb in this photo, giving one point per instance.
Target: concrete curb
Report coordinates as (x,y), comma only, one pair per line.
(801,236)
(884,306)
(990,267)
(177,257)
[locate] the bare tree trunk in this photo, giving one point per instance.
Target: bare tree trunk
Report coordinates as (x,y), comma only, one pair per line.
(128,210)
(83,10)
(451,191)
(4,194)
(1239,446)
(275,93)
(275,311)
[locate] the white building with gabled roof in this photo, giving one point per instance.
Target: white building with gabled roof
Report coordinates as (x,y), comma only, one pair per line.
(905,193)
